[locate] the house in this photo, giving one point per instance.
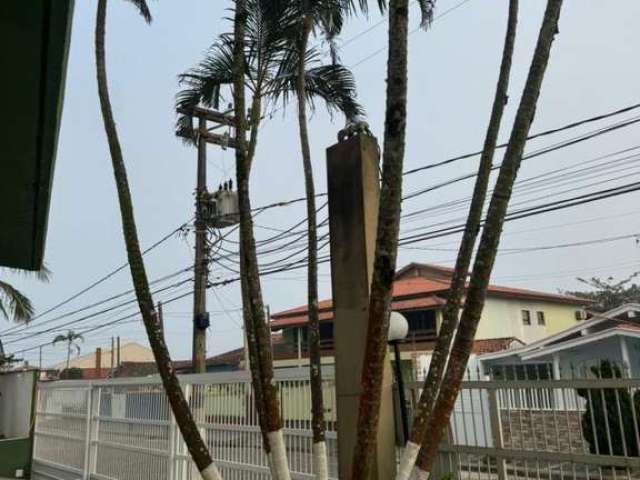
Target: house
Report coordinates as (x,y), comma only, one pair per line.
(98,364)
(512,317)
(613,336)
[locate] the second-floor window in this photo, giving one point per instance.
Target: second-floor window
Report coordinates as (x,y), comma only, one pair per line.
(541,319)
(422,323)
(526,317)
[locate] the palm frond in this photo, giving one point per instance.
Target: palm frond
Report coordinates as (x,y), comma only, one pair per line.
(364,6)
(143,9)
(44,274)
(203,84)
(59,338)
(334,84)
(427,9)
(16,304)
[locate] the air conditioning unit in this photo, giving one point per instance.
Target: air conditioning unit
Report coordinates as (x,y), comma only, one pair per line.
(221,209)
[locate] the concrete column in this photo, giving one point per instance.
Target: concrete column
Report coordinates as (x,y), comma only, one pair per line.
(559,401)
(354,191)
(626,359)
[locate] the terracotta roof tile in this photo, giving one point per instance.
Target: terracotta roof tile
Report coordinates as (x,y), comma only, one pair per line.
(430,291)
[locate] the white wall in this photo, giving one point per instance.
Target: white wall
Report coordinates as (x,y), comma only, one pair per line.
(16,393)
(502,317)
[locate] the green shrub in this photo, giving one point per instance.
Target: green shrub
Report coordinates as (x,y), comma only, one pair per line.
(606,407)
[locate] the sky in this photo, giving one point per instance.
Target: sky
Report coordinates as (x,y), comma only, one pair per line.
(453,69)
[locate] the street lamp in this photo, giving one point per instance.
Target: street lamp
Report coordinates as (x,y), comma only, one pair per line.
(398,330)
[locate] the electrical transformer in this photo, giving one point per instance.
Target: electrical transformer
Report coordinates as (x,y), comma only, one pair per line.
(222,209)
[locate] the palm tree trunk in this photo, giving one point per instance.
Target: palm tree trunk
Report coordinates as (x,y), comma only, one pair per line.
(320,462)
(386,240)
(253,294)
(254,361)
(179,405)
(490,239)
(465,252)
(68,355)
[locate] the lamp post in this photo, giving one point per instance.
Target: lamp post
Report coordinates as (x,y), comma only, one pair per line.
(398,330)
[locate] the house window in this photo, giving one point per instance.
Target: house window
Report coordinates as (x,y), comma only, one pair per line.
(422,323)
(526,317)
(541,319)
(579,315)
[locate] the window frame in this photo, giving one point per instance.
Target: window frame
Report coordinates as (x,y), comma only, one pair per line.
(541,318)
(525,316)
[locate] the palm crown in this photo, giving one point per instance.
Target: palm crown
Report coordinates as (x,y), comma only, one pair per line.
(271,64)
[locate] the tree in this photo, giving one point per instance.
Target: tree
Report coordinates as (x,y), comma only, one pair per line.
(608,293)
(451,310)
(490,240)
(387,233)
(179,405)
(70,339)
(15,306)
(608,420)
(327,15)
(263,57)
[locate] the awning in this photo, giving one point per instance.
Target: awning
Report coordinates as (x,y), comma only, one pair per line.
(34,42)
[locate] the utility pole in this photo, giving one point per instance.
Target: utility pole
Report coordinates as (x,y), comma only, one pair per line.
(118,357)
(201,267)
(202,223)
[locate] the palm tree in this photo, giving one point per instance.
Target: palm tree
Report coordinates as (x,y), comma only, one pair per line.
(265,45)
(490,240)
(179,405)
(70,339)
(465,252)
(387,233)
(328,17)
(16,306)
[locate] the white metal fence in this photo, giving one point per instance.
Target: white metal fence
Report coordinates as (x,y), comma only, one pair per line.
(123,429)
(544,429)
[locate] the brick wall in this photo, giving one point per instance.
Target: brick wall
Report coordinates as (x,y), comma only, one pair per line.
(555,431)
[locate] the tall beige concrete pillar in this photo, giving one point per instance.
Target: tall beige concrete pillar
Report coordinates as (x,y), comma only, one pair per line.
(354,192)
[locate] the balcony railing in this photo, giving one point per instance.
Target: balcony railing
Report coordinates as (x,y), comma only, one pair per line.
(291,349)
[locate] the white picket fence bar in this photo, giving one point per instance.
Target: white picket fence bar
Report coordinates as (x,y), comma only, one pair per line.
(123,429)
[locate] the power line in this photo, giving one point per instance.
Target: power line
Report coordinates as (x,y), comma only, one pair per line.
(536,210)
(107,276)
(568,126)
(92,305)
(108,324)
(383,49)
(537,153)
(93,315)
(511,251)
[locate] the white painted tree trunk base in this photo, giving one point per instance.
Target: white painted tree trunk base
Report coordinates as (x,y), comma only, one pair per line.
(407,461)
(211,473)
(279,464)
(320,462)
(419,474)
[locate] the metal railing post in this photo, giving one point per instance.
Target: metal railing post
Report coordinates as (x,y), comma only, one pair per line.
(87,436)
(496,432)
(173,445)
